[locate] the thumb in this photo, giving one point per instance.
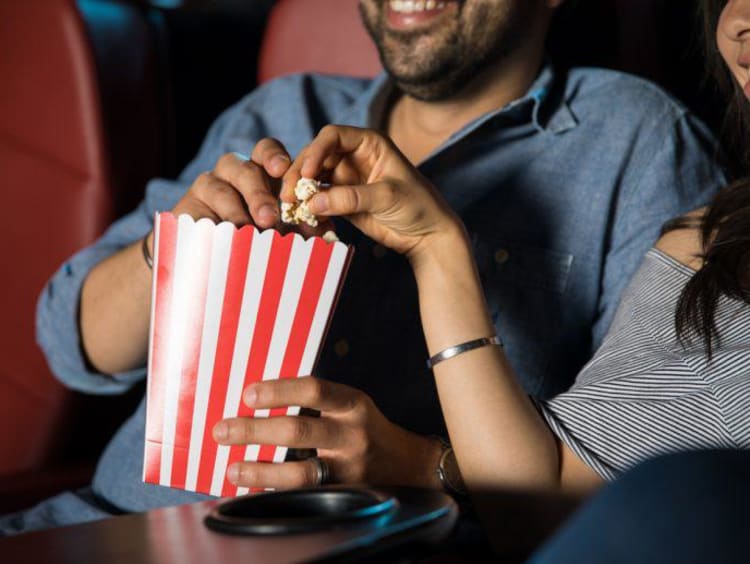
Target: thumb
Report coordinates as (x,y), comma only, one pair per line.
(350,200)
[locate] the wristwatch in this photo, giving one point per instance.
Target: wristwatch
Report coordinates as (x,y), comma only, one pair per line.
(447,471)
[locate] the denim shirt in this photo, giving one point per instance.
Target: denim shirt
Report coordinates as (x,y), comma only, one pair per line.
(562,192)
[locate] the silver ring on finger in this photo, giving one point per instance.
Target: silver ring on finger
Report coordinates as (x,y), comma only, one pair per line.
(322,472)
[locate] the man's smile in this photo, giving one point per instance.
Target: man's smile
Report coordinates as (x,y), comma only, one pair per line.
(407,15)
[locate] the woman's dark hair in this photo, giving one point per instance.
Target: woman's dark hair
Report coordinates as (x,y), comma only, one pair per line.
(725,226)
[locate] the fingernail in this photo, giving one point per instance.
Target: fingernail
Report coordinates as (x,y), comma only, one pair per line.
(279,163)
(319,203)
(221,431)
(233,473)
(250,397)
(268,212)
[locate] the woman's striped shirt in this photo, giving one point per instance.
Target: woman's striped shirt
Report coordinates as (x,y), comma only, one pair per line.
(644,394)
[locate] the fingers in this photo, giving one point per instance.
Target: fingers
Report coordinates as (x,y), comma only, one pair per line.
(289,431)
(220,201)
(278,476)
(336,140)
(252,182)
(328,145)
(375,198)
(326,151)
(307,392)
(270,154)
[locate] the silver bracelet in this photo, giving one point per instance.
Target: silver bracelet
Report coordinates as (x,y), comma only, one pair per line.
(450,352)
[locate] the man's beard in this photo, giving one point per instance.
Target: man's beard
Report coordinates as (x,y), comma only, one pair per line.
(459,53)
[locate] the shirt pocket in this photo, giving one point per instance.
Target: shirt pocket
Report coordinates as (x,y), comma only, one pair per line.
(525,288)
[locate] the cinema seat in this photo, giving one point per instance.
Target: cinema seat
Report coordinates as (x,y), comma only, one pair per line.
(56,198)
(325,36)
(98,97)
(80,134)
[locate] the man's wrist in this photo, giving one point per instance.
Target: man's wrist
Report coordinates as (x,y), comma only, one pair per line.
(441,468)
(447,471)
(430,462)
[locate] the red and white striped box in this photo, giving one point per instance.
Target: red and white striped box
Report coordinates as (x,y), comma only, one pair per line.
(229,307)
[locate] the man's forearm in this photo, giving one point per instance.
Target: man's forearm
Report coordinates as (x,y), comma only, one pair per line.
(114,312)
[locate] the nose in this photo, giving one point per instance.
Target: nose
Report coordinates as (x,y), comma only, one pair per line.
(735,20)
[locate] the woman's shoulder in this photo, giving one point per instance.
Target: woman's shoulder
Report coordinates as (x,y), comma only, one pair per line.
(684,243)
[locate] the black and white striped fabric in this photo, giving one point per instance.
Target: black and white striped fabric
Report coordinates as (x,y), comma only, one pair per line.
(643,394)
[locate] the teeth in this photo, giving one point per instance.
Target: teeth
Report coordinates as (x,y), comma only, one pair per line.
(410,6)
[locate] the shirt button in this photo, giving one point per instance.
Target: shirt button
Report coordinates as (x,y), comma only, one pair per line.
(341,348)
(379,251)
(501,256)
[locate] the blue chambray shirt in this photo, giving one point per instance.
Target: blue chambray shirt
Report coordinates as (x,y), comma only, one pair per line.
(562,192)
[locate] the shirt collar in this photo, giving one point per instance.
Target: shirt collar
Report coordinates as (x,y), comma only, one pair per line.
(548,112)
(548,103)
(368,109)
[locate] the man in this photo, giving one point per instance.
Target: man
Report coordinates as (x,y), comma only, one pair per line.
(562,179)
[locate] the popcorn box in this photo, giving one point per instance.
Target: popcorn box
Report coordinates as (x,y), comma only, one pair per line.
(229,307)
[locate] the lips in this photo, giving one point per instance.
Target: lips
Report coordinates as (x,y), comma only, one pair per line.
(413,14)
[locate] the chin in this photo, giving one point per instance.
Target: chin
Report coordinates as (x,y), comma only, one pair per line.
(435,90)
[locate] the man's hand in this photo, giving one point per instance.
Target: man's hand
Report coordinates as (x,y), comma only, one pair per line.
(239,190)
(114,310)
(352,436)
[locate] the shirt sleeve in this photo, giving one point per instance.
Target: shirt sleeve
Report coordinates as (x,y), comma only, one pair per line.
(614,424)
(674,172)
(643,394)
(57,325)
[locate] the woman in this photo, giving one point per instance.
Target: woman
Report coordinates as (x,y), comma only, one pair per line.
(689,507)
(653,387)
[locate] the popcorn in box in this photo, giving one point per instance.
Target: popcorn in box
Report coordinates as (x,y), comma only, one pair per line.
(229,307)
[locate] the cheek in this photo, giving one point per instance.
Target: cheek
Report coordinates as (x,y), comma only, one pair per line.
(728,51)
(724,46)
(727,48)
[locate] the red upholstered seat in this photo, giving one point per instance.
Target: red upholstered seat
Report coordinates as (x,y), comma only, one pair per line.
(55,199)
(324,36)
(81,131)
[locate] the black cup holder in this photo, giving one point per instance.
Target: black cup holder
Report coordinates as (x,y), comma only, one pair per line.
(300,511)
